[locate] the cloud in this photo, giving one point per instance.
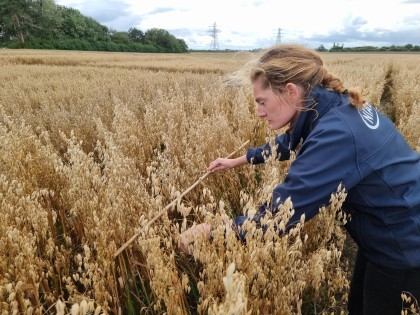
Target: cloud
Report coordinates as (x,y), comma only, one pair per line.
(160,10)
(358,22)
(115,14)
(104,11)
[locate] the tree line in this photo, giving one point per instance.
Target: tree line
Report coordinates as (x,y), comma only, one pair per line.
(393,48)
(42,24)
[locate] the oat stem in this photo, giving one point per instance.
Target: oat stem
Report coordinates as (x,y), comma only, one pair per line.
(126,244)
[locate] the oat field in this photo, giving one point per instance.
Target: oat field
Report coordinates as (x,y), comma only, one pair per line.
(94,145)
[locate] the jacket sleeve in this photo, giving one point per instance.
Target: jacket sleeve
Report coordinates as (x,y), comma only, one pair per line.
(326,159)
(259,154)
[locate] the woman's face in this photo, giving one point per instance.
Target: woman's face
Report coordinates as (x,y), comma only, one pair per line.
(278,109)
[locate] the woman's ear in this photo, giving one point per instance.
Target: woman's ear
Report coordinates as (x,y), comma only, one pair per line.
(294,91)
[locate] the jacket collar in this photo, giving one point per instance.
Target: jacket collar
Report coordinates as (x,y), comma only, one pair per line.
(319,101)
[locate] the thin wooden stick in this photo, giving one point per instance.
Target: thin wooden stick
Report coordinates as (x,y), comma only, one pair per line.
(126,244)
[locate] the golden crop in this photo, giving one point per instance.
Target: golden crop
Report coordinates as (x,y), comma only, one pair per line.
(93,145)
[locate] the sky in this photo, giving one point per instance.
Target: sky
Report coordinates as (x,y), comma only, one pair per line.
(253,24)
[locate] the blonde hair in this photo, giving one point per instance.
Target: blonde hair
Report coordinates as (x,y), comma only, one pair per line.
(291,63)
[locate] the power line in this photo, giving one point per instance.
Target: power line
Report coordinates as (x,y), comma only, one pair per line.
(213,33)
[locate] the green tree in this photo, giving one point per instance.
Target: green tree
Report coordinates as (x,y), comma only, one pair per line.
(337,47)
(136,35)
(321,48)
(76,25)
(49,20)
(1,32)
(17,17)
(183,47)
(44,24)
(162,38)
(120,37)
(408,47)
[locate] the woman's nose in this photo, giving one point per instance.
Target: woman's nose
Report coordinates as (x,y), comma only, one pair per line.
(261,112)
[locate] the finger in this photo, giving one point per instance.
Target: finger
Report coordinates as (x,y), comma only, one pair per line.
(183,245)
(214,166)
(213,163)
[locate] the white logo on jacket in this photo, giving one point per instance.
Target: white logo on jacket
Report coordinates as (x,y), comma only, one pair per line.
(369,116)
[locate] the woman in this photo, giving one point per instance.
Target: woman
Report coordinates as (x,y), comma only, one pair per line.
(343,139)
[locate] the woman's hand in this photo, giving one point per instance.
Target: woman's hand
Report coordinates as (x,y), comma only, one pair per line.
(187,237)
(221,164)
(226,164)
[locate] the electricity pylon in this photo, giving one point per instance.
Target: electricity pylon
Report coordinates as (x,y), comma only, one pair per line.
(278,39)
(213,33)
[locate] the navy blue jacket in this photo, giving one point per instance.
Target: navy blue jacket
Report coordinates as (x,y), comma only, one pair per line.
(362,150)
